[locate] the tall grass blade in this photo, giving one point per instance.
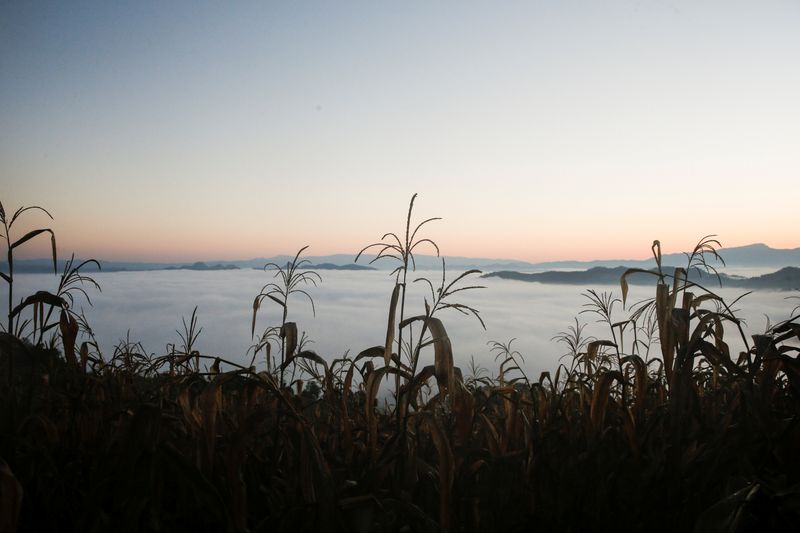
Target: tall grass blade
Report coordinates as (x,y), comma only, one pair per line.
(390,328)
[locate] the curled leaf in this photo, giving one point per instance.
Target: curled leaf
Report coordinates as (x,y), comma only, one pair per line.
(390,328)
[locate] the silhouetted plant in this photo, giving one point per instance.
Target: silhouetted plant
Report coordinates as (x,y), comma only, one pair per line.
(698,258)
(43,303)
(188,338)
(270,335)
(440,299)
(574,339)
(292,278)
(509,360)
(392,247)
(478,375)
(12,244)
(71,283)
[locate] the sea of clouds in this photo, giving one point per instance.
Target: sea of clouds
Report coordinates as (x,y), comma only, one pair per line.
(352,310)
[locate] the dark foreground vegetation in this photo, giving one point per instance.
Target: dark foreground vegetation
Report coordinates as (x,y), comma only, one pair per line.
(658,426)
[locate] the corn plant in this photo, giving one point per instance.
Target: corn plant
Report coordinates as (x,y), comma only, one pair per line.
(12,244)
(44,303)
(182,354)
(440,300)
(72,282)
(292,278)
(392,247)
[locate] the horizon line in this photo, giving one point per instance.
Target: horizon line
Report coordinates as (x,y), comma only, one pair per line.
(446,256)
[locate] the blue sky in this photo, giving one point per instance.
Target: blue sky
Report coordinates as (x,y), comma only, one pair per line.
(537,130)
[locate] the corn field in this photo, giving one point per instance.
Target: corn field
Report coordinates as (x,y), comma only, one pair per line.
(659,426)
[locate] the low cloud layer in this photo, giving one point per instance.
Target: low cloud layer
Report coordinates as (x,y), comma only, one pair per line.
(351,312)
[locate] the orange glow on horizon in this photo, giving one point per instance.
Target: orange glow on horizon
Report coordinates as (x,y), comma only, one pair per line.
(202,249)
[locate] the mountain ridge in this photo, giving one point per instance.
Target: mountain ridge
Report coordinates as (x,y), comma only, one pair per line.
(752,255)
(786,278)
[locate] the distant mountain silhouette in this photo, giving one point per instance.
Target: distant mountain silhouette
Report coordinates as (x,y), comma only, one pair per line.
(324,262)
(327,266)
(202,266)
(753,255)
(785,279)
(331,266)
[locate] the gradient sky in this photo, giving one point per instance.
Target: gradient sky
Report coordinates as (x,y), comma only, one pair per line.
(537,130)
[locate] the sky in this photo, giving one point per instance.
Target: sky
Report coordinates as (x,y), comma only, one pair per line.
(536,130)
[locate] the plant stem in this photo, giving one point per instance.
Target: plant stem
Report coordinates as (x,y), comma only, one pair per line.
(10,280)
(283,339)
